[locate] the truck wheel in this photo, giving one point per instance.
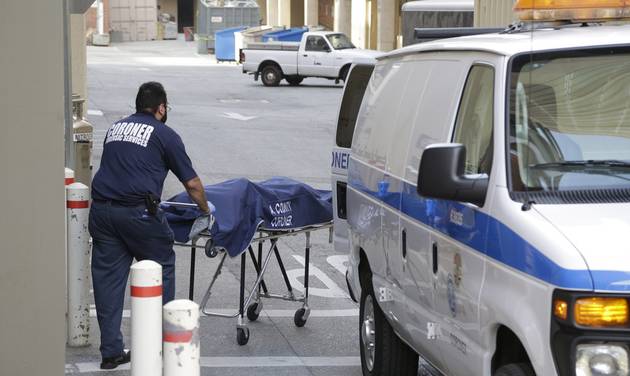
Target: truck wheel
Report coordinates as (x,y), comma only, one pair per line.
(515,369)
(382,352)
(271,75)
(294,80)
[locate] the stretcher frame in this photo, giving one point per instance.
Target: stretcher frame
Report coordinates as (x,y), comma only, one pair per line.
(252,305)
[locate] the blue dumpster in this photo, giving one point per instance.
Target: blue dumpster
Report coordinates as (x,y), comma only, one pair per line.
(224,43)
(290,35)
(271,36)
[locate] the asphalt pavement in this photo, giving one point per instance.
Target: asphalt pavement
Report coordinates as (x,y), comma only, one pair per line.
(234,127)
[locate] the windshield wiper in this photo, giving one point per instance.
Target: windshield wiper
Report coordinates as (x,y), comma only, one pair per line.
(606,163)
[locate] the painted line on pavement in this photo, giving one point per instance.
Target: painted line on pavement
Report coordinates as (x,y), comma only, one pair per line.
(353,312)
(95,112)
(241,362)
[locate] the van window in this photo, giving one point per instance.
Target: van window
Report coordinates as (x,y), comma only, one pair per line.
(413,92)
(379,111)
(436,112)
(473,127)
(351,103)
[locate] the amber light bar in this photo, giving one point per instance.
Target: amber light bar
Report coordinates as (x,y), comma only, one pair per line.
(572,10)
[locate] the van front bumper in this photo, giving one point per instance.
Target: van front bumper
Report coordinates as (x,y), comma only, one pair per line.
(577,347)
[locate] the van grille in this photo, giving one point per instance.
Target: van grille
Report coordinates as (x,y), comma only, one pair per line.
(589,196)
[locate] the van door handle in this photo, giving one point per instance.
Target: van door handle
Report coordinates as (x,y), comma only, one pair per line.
(404,243)
(435,257)
(305,55)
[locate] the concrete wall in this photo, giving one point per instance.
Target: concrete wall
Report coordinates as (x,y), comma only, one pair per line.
(284,12)
(262,5)
(494,13)
(297,13)
(387,27)
(90,18)
(326,13)
(358,22)
(136,19)
(32,271)
(343,17)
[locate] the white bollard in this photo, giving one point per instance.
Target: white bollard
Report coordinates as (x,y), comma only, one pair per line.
(146,319)
(69,176)
(78,258)
(181,338)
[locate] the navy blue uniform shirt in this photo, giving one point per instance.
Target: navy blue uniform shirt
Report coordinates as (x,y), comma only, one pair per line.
(138,152)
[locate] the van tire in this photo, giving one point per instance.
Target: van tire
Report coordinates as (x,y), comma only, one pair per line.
(343,73)
(391,355)
(294,80)
(271,75)
(515,369)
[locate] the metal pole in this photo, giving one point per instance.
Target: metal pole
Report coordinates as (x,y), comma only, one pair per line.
(191,283)
(146,319)
(78,269)
(67,88)
(181,338)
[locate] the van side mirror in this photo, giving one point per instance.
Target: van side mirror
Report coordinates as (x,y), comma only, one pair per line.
(441,175)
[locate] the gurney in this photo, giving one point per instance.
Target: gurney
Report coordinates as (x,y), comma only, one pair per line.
(248,215)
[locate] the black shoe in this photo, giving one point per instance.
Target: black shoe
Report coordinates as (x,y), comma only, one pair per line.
(113,362)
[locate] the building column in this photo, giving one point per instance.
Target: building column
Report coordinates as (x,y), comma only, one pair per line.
(272,13)
(284,13)
(311,12)
(343,17)
(359,23)
(386,33)
(32,194)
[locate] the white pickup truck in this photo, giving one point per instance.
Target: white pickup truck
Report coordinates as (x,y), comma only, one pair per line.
(320,54)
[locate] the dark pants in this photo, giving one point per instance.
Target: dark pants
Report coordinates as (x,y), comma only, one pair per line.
(121,234)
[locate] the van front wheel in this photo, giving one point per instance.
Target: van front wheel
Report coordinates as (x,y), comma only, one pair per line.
(515,369)
(382,352)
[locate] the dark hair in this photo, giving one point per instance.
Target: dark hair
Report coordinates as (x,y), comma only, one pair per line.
(150,96)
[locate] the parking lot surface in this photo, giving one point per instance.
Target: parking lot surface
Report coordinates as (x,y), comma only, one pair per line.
(234,127)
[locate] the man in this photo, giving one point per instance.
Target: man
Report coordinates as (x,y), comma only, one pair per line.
(125,219)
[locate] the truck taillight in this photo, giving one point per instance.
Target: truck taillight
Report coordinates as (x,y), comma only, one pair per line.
(241,57)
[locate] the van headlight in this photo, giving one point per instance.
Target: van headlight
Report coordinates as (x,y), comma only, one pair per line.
(601,360)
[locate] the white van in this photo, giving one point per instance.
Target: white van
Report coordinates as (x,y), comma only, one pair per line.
(354,89)
(488,203)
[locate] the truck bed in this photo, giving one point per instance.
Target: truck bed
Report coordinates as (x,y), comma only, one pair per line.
(278,46)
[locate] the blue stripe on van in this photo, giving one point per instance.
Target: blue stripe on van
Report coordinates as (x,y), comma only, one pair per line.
(488,236)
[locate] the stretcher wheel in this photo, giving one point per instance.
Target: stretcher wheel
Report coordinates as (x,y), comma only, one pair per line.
(253,311)
(211,251)
(298,319)
(242,336)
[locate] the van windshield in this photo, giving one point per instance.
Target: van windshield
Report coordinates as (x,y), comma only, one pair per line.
(570,121)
